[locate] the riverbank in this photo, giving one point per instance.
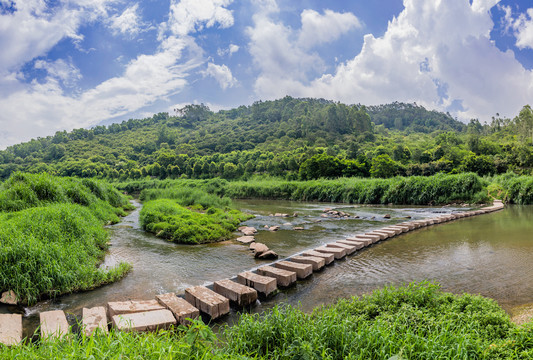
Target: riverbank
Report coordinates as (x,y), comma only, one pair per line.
(416,321)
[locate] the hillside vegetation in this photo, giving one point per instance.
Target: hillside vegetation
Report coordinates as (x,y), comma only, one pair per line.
(297,139)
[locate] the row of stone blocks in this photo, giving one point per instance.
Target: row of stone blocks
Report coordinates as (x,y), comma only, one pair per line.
(168,309)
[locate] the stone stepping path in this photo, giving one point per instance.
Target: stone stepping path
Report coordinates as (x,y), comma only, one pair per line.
(168,309)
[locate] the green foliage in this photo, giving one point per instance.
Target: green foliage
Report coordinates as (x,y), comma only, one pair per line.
(188,215)
(52,236)
(517,189)
(383,167)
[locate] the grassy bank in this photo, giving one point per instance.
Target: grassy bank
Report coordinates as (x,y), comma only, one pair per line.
(414,190)
(417,321)
(188,215)
(52,237)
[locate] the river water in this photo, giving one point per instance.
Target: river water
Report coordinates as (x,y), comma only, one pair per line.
(490,254)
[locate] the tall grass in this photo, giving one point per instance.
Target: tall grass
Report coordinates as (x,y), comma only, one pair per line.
(186,196)
(514,188)
(52,237)
(415,321)
(414,190)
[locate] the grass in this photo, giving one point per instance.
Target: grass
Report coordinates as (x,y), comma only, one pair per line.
(169,220)
(52,237)
(415,321)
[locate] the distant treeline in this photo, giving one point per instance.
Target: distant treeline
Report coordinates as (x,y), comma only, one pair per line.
(297,139)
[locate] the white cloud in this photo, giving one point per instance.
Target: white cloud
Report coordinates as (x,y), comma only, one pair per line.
(222,74)
(522,27)
(43,108)
(319,29)
(232,49)
(128,23)
(61,70)
(435,53)
(189,16)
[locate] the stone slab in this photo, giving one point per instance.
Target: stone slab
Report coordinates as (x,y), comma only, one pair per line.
(358,245)
(207,301)
(53,324)
(374,238)
(302,270)
(403,228)
(10,329)
(246,239)
(94,318)
(337,252)
(388,233)
(240,294)
(180,307)
(132,306)
(350,249)
(380,235)
(283,277)
(328,258)
(317,262)
(263,284)
(365,241)
(144,321)
(408,224)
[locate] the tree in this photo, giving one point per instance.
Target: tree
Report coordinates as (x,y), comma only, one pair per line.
(524,120)
(383,167)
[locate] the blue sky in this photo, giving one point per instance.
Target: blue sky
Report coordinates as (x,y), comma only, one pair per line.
(68,64)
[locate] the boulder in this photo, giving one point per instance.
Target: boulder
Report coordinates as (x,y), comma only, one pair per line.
(268,255)
(386,216)
(248,231)
(258,248)
(246,239)
(9,297)
(273,228)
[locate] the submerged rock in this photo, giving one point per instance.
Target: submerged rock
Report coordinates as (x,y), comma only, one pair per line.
(268,255)
(386,216)
(246,239)
(273,228)
(248,230)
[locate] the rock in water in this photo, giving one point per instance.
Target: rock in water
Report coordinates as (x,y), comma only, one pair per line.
(246,239)
(386,216)
(268,255)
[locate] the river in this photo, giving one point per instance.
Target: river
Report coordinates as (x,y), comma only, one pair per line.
(490,254)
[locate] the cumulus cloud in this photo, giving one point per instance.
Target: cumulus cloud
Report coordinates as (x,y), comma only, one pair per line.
(319,29)
(128,23)
(522,27)
(437,53)
(232,49)
(222,74)
(189,16)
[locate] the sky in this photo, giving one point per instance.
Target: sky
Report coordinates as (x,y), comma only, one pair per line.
(68,64)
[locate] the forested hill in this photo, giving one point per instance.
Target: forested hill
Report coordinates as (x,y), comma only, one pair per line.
(295,138)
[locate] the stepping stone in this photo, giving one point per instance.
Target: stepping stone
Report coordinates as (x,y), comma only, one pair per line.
(408,224)
(365,241)
(337,252)
(263,284)
(10,329)
(94,318)
(132,306)
(181,309)
(403,228)
(246,239)
(380,235)
(374,238)
(387,233)
(358,245)
(283,277)
(240,294)
(268,255)
(53,325)
(350,249)
(207,301)
(302,270)
(144,321)
(317,262)
(328,258)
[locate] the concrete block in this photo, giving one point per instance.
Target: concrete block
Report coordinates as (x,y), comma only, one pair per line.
(302,270)
(10,329)
(207,301)
(283,277)
(53,324)
(350,249)
(337,252)
(374,238)
(365,241)
(144,321)
(132,306)
(317,262)
(263,284)
(358,245)
(181,308)
(240,294)
(94,318)
(328,258)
